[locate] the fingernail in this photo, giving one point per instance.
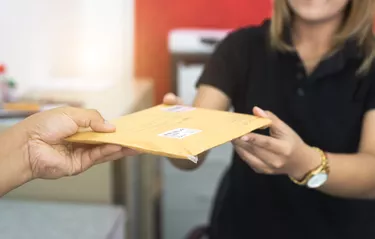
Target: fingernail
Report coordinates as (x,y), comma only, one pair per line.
(106,122)
(245,138)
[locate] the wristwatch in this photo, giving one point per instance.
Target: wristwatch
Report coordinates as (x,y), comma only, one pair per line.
(316,177)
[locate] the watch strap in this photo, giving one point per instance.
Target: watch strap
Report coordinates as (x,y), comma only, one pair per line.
(322,167)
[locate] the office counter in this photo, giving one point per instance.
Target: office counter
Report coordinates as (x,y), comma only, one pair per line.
(35,220)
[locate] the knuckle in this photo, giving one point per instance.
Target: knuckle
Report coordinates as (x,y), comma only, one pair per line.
(86,122)
(278,164)
(287,150)
(267,143)
(69,111)
(96,115)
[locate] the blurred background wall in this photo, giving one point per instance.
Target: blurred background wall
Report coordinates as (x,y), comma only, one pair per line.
(154,19)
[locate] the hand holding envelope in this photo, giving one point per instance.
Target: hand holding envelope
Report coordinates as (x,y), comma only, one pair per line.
(175,131)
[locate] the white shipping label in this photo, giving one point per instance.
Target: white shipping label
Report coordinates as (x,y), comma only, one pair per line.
(179,108)
(179,133)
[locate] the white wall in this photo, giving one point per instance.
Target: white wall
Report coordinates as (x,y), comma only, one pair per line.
(46,43)
(67,43)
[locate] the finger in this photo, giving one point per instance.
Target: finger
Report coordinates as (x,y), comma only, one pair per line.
(268,157)
(90,118)
(276,122)
(172,99)
(255,163)
(101,151)
(251,150)
(259,112)
(86,156)
(266,142)
(125,152)
(91,154)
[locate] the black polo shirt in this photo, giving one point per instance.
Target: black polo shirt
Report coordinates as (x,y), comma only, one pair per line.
(325,108)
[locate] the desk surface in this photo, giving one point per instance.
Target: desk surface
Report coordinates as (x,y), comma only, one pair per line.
(107,102)
(35,220)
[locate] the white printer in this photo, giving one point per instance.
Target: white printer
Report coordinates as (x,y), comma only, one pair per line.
(189,50)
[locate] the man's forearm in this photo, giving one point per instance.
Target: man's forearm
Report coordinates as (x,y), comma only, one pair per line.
(14,168)
(351,176)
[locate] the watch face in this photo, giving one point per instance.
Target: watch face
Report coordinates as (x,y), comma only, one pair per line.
(317,180)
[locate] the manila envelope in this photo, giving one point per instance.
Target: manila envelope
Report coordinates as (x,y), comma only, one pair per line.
(175,131)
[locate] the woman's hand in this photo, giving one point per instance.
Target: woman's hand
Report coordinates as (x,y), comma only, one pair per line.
(283,152)
(50,157)
(172,99)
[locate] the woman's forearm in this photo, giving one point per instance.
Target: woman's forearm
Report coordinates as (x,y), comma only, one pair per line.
(14,163)
(351,176)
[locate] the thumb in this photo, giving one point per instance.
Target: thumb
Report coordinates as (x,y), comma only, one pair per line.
(277,124)
(90,118)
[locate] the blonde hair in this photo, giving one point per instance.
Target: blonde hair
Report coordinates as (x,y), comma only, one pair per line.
(358,24)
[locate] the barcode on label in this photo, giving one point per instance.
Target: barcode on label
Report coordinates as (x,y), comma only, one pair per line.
(179,133)
(178,108)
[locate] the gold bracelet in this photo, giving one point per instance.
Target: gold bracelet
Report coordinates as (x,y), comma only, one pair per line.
(323,166)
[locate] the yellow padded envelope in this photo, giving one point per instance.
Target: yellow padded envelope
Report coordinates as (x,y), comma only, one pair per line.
(175,131)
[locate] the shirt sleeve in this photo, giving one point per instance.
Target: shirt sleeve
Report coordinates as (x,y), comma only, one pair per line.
(223,69)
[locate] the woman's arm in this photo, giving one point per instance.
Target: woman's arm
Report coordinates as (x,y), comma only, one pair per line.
(354,175)
(284,152)
(211,98)
(222,78)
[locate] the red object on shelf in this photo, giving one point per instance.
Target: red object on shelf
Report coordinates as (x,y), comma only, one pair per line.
(2,69)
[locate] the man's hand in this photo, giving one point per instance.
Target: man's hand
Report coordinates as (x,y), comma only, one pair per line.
(50,157)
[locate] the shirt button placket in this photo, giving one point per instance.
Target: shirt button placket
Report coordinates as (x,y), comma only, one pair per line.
(300,76)
(300,92)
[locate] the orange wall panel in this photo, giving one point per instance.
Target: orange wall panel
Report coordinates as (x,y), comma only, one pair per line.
(155,18)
